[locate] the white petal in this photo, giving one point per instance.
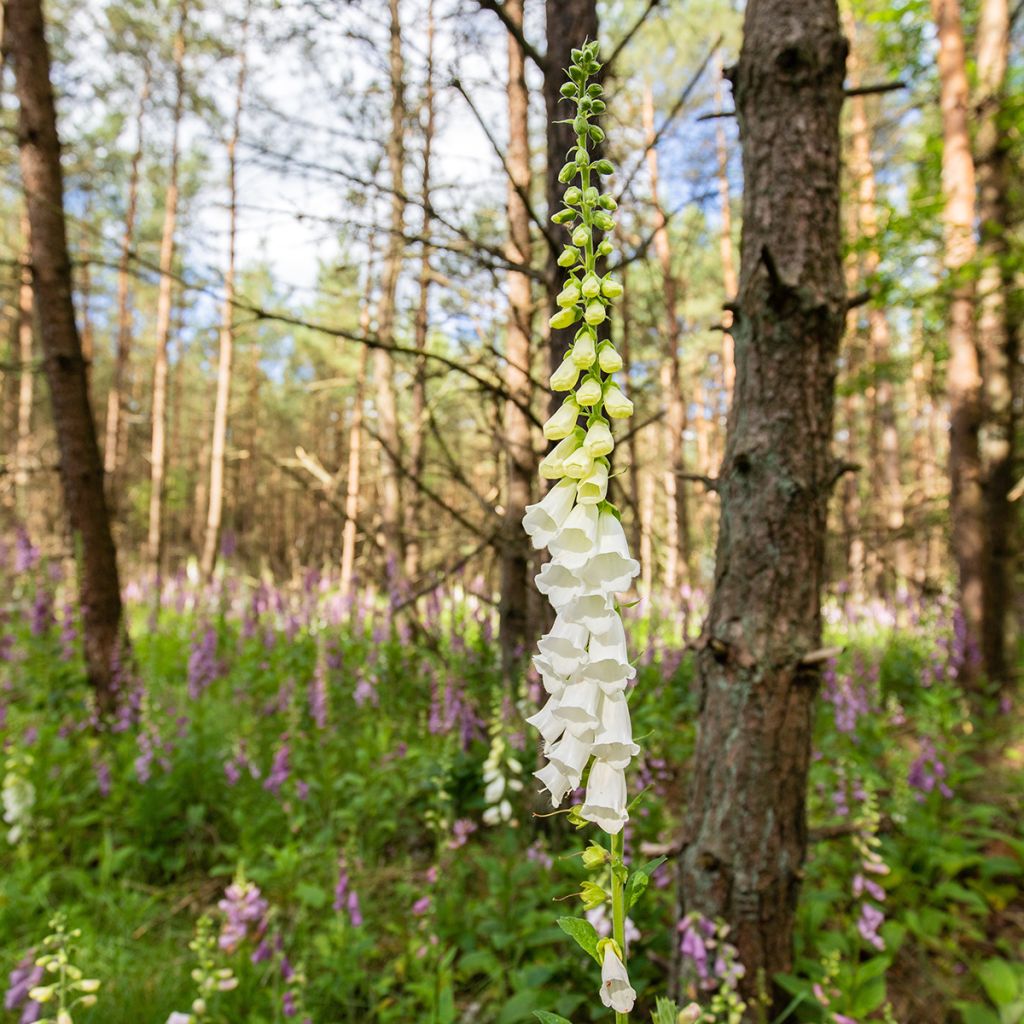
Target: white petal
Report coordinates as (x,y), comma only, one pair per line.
(558,583)
(578,705)
(616,991)
(545,722)
(570,755)
(593,610)
(576,541)
(614,740)
(565,647)
(554,782)
(605,802)
(543,520)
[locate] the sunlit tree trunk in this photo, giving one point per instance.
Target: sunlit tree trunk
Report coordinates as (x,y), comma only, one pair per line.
(81,469)
(158,434)
(219,435)
(677,555)
(520,460)
(746,813)
(26,378)
(122,354)
(963,373)
(729,282)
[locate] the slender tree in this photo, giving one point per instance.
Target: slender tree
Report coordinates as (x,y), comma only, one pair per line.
(26,377)
(81,468)
(758,668)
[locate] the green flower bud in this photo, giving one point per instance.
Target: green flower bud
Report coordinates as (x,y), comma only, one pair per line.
(616,404)
(611,288)
(608,359)
(608,202)
(592,896)
(598,442)
(595,313)
(604,167)
(586,104)
(570,256)
(563,421)
(577,74)
(564,318)
(579,125)
(591,195)
(597,106)
(42,993)
(591,286)
(596,133)
(88,985)
(583,353)
(581,236)
(594,89)
(578,464)
(568,90)
(565,377)
(564,216)
(577,56)
(603,221)
(593,488)
(589,392)
(594,856)
(572,196)
(567,173)
(568,296)
(605,248)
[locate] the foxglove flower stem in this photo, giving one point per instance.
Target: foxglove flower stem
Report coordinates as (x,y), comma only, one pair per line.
(618,846)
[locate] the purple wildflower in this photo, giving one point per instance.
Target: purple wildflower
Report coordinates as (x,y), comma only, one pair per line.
(243,906)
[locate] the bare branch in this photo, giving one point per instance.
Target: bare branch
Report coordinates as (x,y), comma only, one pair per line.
(516,32)
(874,88)
(628,37)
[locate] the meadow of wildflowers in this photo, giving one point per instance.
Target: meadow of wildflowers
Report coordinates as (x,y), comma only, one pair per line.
(311,808)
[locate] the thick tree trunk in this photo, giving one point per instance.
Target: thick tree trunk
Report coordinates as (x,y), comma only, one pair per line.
(569,24)
(26,379)
(520,459)
(383,364)
(81,468)
(997,335)
(219,435)
(746,822)
(122,355)
(158,435)
(677,570)
(963,374)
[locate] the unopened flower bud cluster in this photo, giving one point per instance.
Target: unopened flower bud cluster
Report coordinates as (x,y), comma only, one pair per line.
(583,661)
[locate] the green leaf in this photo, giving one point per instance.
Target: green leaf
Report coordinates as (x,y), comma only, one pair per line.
(549,1018)
(640,879)
(312,895)
(583,932)
(999,980)
(666,1012)
(869,998)
(975,1013)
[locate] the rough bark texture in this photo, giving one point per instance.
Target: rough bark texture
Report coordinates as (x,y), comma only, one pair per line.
(520,459)
(219,434)
(569,24)
(963,374)
(158,442)
(383,364)
(746,824)
(81,469)
(122,357)
(996,335)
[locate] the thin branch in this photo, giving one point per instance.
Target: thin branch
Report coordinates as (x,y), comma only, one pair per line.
(516,32)
(715,114)
(628,37)
(874,88)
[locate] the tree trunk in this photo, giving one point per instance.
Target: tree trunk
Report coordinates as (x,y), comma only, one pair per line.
(383,364)
(119,378)
(421,326)
(81,469)
(355,447)
(997,335)
(569,23)
(26,379)
(746,819)
(218,439)
(677,570)
(963,374)
(158,444)
(520,459)
(729,282)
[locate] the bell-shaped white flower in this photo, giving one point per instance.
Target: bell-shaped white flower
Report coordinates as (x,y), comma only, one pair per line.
(611,568)
(614,740)
(579,464)
(594,609)
(607,663)
(589,392)
(608,359)
(576,541)
(570,755)
(545,722)
(616,404)
(616,992)
(552,465)
(583,352)
(599,440)
(554,782)
(605,802)
(593,488)
(565,647)
(578,704)
(562,422)
(543,520)
(558,583)
(565,377)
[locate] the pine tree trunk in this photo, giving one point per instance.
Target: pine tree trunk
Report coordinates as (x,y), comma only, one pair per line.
(26,379)
(219,435)
(81,469)
(746,818)
(383,364)
(997,335)
(158,434)
(520,459)
(122,356)
(729,282)
(963,374)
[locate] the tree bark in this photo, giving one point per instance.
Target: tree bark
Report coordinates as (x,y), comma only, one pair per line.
(26,379)
(520,458)
(158,443)
(997,336)
(383,364)
(219,435)
(729,282)
(122,356)
(963,374)
(746,818)
(81,469)
(677,570)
